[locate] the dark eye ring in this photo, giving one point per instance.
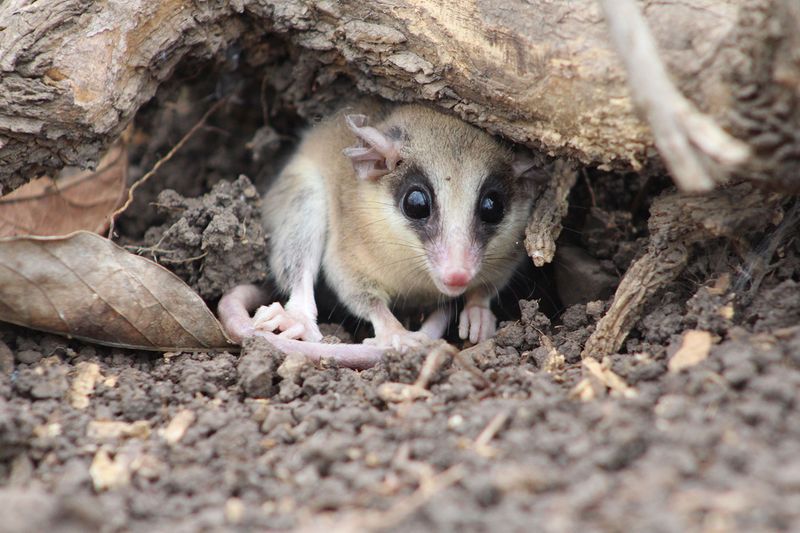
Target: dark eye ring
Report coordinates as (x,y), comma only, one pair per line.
(490,207)
(417,203)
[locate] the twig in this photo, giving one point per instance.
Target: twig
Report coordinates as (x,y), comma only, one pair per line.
(433,363)
(161,162)
(472,369)
(166,260)
(489,432)
(697,152)
(392,517)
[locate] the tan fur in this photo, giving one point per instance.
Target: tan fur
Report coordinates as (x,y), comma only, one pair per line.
(370,254)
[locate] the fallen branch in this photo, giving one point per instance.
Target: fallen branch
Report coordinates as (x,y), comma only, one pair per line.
(697,152)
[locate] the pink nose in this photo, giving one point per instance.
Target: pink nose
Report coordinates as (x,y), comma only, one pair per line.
(456,278)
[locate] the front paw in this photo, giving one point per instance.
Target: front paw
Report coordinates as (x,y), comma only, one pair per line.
(476,322)
(291,324)
(401,340)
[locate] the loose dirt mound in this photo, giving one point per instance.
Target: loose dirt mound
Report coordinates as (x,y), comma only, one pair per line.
(272,442)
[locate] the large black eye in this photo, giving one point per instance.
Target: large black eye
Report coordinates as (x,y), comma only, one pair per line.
(417,203)
(490,208)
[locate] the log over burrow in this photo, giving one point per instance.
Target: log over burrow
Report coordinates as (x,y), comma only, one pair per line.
(544,73)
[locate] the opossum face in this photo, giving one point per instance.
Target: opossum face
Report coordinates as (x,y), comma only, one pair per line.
(455,217)
(452,199)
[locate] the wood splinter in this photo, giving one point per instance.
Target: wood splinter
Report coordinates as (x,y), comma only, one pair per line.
(549,209)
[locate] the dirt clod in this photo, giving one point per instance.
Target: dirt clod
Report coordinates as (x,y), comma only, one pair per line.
(209,241)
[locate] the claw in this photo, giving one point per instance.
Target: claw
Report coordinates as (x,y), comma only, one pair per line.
(401,340)
(291,324)
(293,332)
(476,322)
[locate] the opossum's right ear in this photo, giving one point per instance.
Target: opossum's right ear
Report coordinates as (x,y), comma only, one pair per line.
(529,171)
(375,155)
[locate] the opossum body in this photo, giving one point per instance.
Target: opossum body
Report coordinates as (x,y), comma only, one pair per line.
(416,209)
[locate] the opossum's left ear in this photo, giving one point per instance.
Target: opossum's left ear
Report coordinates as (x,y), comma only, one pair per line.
(376,154)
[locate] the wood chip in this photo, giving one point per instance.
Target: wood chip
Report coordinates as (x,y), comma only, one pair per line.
(392,392)
(234,510)
(694,348)
(556,362)
(583,390)
(608,377)
(47,431)
(177,427)
(108,473)
(115,429)
(87,375)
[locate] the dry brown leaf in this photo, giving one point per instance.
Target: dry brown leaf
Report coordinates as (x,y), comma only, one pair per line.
(75,200)
(694,349)
(83,384)
(85,286)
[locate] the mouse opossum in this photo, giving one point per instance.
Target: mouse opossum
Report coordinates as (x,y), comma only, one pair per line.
(396,205)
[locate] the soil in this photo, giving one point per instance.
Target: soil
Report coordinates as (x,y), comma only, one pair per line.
(513,434)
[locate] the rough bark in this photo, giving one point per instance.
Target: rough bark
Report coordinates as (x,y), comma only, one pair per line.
(73,73)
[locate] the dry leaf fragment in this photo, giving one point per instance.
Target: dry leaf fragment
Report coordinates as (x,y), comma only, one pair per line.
(177,427)
(85,286)
(694,348)
(75,200)
(83,384)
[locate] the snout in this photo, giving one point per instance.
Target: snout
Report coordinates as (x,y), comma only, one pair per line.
(456,279)
(454,269)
